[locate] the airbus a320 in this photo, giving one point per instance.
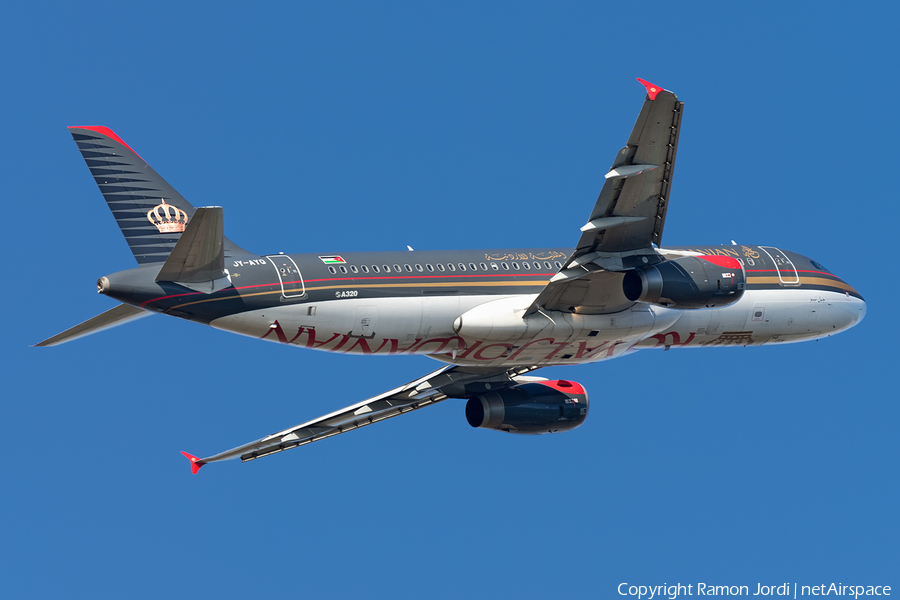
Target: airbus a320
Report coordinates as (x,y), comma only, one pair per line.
(492,317)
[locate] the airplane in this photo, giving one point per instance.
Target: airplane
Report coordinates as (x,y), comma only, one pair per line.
(492,317)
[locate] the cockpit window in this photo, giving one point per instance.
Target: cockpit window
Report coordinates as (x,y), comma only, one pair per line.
(818,266)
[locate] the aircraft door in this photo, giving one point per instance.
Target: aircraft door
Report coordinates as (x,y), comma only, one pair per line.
(288,275)
(787,272)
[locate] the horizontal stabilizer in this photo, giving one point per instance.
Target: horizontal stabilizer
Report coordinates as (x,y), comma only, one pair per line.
(199,256)
(111,318)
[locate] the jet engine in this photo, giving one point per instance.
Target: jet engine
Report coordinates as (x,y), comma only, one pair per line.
(534,407)
(688,282)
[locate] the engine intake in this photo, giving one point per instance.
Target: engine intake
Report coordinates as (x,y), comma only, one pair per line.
(530,408)
(689,282)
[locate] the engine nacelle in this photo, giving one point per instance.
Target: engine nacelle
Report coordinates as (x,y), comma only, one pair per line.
(689,282)
(534,407)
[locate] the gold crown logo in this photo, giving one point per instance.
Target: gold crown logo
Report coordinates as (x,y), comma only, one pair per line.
(167,218)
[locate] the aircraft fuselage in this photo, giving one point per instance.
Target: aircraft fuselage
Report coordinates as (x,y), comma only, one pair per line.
(390,303)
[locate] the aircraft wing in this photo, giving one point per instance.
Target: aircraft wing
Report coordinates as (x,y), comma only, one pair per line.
(628,217)
(446,382)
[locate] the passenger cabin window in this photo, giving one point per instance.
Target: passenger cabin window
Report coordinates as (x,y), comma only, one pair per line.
(505,266)
(332,270)
(473,267)
(483,266)
(537,265)
(375,268)
(364,268)
(548,265)
(515,266)
(408,268)
(462,267)
(343,269)
(419,268)
(430,268)
(386,268)
(494,266)
(451,267)
(354,269)
(558,265)
(526,266)
(397,268)
(440,267)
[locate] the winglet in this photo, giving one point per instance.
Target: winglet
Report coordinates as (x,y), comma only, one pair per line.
(652,90)
(196,463)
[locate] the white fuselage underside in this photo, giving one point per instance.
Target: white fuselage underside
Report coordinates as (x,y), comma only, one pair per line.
(425,325)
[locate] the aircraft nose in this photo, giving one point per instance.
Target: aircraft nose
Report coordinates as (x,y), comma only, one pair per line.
(848,314)
(861,312)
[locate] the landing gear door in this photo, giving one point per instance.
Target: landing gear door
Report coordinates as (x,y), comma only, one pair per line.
(288,275)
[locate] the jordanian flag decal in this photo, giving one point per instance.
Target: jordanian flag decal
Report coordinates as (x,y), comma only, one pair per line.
(332,260)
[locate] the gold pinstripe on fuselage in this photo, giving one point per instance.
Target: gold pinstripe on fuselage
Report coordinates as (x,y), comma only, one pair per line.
(350,284)
(804,281)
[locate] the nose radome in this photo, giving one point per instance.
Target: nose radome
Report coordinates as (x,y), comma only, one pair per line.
(849,314)
(862,311)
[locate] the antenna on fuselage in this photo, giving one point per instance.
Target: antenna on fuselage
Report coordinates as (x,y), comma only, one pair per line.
(410,248)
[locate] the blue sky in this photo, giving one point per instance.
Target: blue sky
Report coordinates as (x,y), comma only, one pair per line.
(329,127)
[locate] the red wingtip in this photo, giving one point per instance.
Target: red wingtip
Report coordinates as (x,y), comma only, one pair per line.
(652,90)
(196,463)
(107,132)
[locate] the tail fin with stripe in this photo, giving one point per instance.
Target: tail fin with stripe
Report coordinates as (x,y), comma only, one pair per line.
(150,213)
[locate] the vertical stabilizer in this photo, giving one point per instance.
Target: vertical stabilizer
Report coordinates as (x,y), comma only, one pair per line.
(150,213)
